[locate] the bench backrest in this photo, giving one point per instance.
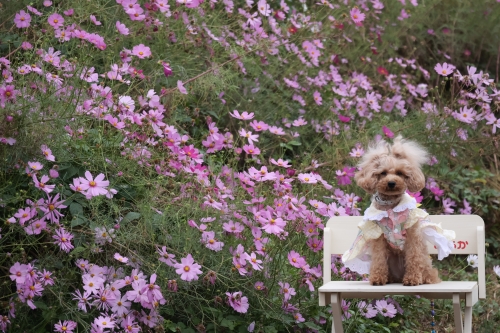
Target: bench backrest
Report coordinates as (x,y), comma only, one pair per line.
(340,232)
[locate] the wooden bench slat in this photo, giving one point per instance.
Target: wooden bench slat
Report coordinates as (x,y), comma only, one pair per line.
(394,288)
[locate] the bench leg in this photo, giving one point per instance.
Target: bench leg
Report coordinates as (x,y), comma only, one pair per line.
(468,319)
(337,313)
(458,314)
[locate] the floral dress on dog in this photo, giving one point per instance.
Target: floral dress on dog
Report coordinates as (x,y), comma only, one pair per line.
(393,224)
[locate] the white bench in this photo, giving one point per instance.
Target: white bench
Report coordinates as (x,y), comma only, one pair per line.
(339,235)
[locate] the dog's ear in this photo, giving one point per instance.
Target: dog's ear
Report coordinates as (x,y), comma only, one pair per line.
(366,179)
(416,180)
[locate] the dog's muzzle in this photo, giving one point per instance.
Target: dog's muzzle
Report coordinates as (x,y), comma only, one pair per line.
(391,184)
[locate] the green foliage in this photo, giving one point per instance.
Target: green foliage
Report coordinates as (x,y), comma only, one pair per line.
(152,210)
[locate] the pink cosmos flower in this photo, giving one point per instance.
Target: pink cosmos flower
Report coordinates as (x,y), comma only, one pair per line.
(50,208)
(356,15)
(259,285)
(388,133)
(166,257)
(66,326)
(22,19)
(357,152)
(36,227)
(94,20)
(385,309)
(298,318)
(141,51)
(307,178)
(256,263)
(466,115)
(181,87)
(47,153)
(317,98)
(286,290)
(122,29)
(367,310)
(251,150)
(238,302)
(208,238)
(467,208)
(104,322)
(56,20)
(118,257)
(42,184)
(276,130)
(243,116)
(264,8)
(63,239)
(25,214)
(344,176)
(444,69)
(188,269)
(280,163)
(249,135)
(295,259)
(447,204)
(94,187)
(491,120)
(418,197)
(69,12)
(36,166)
(274,225)
(92,283)
(18,273)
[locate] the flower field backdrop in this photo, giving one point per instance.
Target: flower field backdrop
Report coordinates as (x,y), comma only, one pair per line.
(169,166)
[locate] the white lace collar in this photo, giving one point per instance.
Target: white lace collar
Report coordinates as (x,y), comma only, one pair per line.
(373,214)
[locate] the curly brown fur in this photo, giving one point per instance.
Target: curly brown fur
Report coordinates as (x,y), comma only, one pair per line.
(390,170)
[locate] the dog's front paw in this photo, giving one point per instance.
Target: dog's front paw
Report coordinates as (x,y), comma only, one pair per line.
(378,280)
(412,280)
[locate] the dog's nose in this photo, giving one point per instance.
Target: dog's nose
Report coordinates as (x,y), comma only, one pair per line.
(391,184)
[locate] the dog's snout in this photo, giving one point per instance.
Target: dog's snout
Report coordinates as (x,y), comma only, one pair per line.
(391,184)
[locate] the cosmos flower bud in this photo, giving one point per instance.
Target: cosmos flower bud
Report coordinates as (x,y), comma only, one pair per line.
(167,70)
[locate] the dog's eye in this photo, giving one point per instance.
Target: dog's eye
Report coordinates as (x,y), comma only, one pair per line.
(399,173)
(383,173)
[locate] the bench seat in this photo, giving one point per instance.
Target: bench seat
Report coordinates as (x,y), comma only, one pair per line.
(363,289)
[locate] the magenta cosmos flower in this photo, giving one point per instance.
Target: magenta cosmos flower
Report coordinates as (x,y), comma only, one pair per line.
(238,302)
(63,239)
(356,15)
(141,51)
(344,175)
(56,20)
(188,269)
(22,19)
(444,69)
(94,186)
(388,133)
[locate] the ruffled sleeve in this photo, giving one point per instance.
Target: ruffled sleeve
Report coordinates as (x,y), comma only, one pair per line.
(441,238)
(358,257)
